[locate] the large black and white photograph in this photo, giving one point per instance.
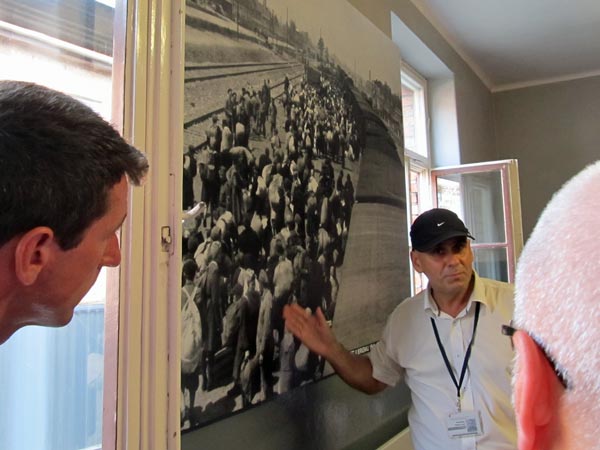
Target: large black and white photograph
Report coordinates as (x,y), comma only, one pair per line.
(293,192)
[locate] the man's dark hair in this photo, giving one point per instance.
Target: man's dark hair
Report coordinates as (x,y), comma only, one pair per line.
(58,161)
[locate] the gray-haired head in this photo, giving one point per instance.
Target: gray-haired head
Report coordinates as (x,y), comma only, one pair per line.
(557,291)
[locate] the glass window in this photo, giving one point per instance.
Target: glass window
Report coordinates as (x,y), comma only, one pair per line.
(491,263)
(419,201)
(414,113)
(51,382)
(485,196)
(416,153)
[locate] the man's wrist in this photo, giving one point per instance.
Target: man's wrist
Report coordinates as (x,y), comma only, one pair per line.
(336,351)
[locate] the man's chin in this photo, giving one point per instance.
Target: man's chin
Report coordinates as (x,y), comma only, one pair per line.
(65,318)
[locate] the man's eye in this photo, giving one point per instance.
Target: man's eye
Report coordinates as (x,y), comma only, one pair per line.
(459,247)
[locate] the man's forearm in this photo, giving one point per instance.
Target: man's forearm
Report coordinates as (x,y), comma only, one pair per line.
(355,370)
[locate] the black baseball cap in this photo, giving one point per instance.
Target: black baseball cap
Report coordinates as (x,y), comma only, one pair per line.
(435,226)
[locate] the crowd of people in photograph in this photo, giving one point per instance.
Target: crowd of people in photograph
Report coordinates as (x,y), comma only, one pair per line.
(264,227)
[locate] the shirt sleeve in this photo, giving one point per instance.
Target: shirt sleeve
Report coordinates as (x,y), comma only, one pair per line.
(385,367)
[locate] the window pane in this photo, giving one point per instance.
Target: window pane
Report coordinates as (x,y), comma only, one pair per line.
(414,111)
(51,385)
(478,199)
(419,193)
(491,263)
(408,116)
(51,382)
(415,194)
(485,196)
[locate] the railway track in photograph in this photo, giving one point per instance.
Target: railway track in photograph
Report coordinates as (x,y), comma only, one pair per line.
(206,89)
(220,71)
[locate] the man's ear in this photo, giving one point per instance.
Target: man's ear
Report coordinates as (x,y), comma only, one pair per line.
(536,395)
(416,261)
(32,253)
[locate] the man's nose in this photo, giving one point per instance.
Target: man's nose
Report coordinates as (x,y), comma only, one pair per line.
(112,253)
(452,258)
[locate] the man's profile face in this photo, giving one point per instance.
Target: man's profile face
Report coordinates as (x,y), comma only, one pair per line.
(448,266)
(72,272)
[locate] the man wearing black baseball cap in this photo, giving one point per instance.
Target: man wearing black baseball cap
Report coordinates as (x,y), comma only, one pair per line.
(443,343)
(434,235)
(435,226)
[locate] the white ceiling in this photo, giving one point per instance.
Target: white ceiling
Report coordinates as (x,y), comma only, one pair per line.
(512,43)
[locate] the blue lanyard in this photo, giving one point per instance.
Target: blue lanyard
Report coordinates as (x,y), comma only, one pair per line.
(463,371)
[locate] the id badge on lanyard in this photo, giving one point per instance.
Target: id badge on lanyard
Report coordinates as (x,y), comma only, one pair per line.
(461,424)
(464,424)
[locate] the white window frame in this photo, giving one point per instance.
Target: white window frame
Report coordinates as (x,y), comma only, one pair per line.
(418,84)
(512,224)
(142,411)
(424,191)
(414,160)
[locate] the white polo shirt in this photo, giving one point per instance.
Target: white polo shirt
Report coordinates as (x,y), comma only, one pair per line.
(408,349)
